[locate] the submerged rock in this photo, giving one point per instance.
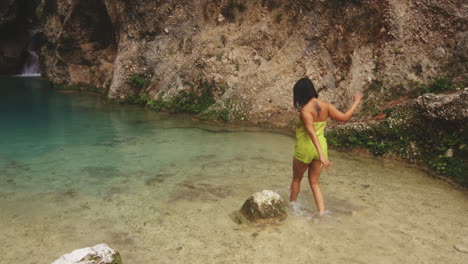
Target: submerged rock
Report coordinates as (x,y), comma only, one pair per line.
(99,254)
(461,248)
(264,207)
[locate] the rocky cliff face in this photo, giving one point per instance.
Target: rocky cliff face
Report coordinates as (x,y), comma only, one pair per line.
(252,52)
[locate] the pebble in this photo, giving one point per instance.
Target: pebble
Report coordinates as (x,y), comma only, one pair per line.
(449,153)
(461,248)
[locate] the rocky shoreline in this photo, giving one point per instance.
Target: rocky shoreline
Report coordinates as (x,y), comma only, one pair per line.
(393,137)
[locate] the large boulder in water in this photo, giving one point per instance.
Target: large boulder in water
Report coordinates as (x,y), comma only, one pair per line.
(99,254)
(264,207)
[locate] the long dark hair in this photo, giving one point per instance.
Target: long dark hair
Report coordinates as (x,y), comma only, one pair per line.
(303,91)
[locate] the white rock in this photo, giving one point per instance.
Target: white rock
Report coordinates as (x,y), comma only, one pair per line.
(265,196)
(449,153)
(99,254)
(264,207)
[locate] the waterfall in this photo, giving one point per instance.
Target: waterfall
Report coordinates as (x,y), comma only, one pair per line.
(31,66)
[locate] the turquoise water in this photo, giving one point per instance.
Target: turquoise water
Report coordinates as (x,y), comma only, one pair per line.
(54,140)
(160,188)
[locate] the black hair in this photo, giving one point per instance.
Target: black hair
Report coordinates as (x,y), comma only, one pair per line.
(303,91)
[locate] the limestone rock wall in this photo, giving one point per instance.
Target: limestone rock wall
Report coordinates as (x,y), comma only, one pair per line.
(255,49)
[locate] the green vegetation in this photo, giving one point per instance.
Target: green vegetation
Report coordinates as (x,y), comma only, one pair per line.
(379,140)
(186,102)
(451,166)
(138,81)
(142,99)
(116,259)
(397,51)
(191,101)
(200,100)
(420,140)
(383,95)
(216,115)
(440,84)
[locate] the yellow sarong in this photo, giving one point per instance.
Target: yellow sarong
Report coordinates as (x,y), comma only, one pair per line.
(304,149)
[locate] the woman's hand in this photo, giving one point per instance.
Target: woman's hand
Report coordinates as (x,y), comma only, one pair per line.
(326,163)
(357,97)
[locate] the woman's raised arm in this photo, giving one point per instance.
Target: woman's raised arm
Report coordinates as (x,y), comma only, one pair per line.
(340,116)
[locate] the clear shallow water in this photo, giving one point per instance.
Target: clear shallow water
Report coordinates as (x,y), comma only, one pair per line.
(75,172)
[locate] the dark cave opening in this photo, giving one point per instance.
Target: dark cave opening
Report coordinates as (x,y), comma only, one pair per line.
(20,38)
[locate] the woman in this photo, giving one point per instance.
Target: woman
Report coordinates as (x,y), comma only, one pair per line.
(311,146)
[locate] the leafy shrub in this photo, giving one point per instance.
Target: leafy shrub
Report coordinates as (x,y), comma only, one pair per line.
(184,101)
(424,140)
(158,104)
(451,166)
(440,84)
(216,115)
(133,99)
(138,81)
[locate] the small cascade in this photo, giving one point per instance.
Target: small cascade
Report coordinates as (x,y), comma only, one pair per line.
(31,66)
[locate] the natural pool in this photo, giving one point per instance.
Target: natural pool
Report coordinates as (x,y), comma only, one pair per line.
(159,188)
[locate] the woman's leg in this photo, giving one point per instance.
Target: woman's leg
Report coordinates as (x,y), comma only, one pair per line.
(298,171)
(315,169)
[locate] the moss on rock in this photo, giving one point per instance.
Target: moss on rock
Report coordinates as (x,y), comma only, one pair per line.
(264,207)
(422,130)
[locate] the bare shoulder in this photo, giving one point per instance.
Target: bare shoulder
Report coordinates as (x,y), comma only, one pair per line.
(317,109)
(325,104)
(307,107)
